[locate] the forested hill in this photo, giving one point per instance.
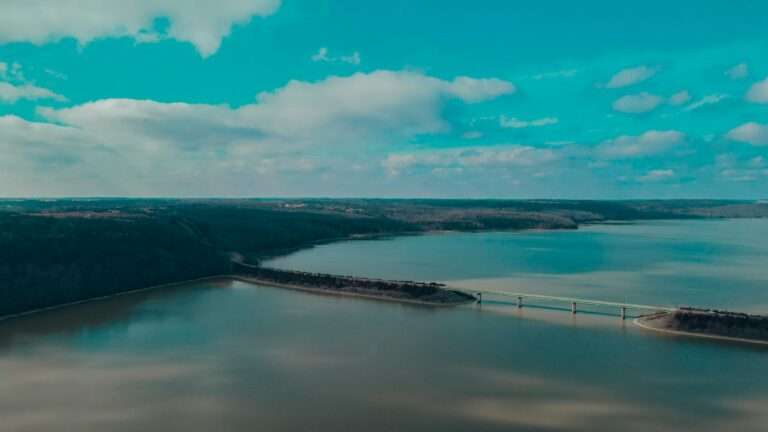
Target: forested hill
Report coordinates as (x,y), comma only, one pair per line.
(58,251)
(45,261)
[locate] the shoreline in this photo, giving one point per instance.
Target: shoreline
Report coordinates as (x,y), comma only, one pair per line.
(640,322)
(279,253)
(643,325)
(106,297)
(256,281)
(234,277)
(282,252)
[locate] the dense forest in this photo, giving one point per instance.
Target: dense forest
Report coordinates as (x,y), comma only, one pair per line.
(404,290)
(720,323)
(46,261)
(58,251)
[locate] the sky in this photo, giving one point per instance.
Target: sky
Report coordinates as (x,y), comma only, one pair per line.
(594,99)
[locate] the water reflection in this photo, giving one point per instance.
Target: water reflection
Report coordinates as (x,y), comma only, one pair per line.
(240,357)
(81,317)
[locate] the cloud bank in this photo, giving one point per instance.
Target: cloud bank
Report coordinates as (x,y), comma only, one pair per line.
(11,93)
(650,143)
(203,24)
(130,140)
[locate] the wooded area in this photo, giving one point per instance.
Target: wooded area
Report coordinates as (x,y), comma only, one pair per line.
(59,251)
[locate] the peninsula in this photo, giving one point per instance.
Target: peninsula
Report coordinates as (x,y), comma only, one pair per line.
(59,251)
(427,293)
(713,324)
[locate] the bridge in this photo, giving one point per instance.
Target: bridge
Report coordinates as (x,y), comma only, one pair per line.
(623,307)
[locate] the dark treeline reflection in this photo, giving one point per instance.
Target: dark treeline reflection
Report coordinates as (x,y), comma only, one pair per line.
(61,255)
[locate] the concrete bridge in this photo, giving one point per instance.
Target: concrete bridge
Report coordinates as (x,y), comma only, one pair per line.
(574,302)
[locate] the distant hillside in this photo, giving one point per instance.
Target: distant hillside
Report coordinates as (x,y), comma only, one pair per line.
(59,251)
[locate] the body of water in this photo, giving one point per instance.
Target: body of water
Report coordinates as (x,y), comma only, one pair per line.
(709,263)
(230,356)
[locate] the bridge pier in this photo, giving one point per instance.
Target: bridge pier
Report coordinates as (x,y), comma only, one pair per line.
(565,300)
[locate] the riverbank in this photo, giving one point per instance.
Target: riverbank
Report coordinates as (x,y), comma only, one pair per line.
(119,294)
(663,323)
(412,291)
(274,253)
(277,253)
(366,295)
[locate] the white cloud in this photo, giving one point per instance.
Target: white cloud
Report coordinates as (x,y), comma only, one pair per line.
(756,162)
(472,135)
(516,155)
(638,103)
(37,158)
(513,122)
(752,133)
(650,143)
(656,175)
(758,92)
(394,163)
(11,72)
(732,167)
(383,102)
(377,105)
(567,73)
(128,146)
(11,93)
(458,160)
(740,71)
(322,56)
(632,76)
(149,127)
(679,98)
(472,90)
(15,87)
(55,74)
(646,102)
(201,23)
(21,137)
(706,100)
(352,59)
(338,110)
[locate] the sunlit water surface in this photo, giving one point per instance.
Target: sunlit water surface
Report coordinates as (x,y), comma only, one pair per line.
(228,356)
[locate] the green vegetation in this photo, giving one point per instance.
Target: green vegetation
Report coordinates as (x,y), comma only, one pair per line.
(401,290)
(58,251)
(722,323)
(45,261)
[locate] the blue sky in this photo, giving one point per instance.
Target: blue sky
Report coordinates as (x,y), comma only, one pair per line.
(505,99)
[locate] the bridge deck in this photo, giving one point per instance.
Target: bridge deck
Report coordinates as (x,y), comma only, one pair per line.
(567,300)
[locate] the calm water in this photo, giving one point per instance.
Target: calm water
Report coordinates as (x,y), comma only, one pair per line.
(230,356)
(714,263)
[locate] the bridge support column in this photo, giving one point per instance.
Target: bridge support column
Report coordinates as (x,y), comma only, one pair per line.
(519,302)
(623,313)
(479,298)
(573,307)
